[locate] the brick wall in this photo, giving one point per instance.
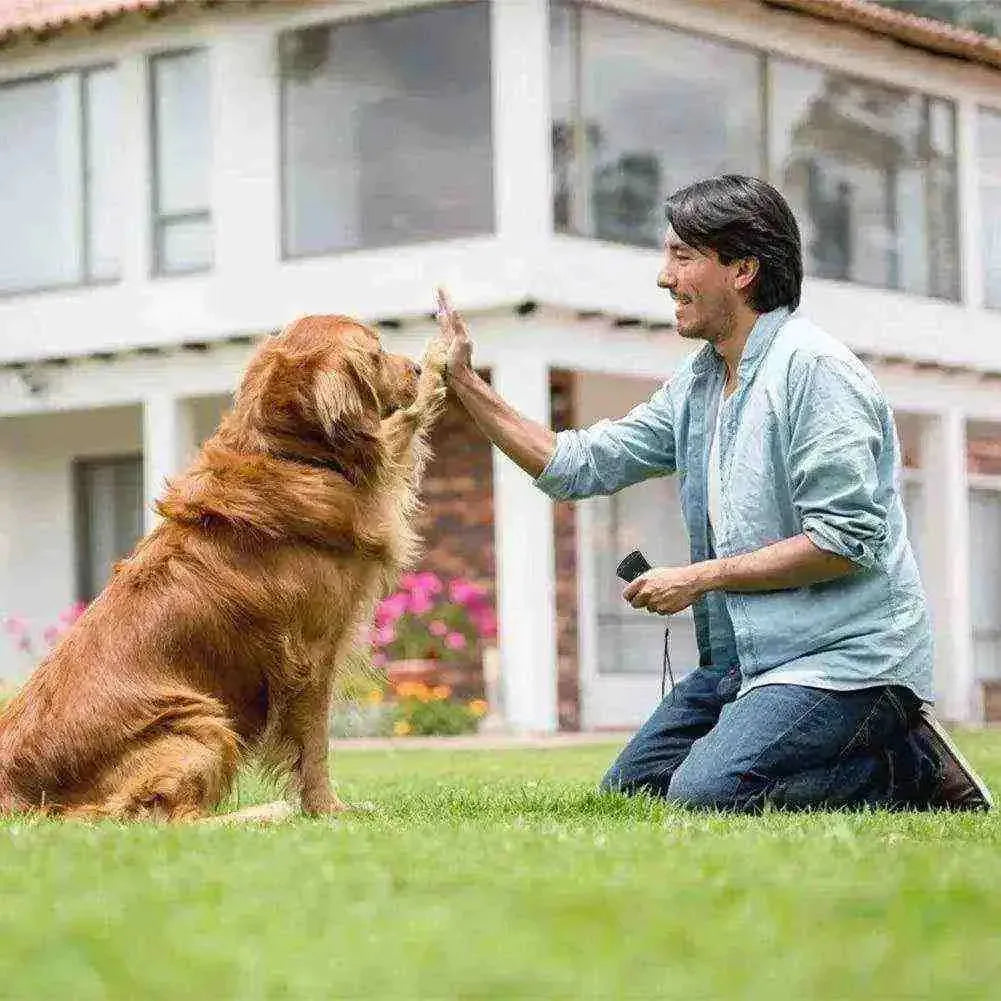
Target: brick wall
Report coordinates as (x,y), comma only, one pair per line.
(457,526)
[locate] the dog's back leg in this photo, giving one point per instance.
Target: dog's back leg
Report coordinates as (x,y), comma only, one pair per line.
(178,775)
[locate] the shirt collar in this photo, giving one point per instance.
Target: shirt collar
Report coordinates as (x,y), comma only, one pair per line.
(758,342)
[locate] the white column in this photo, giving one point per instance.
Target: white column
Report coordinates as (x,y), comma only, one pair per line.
(168,445)
(946,549)
(968,204)
(526,585)
(521,122)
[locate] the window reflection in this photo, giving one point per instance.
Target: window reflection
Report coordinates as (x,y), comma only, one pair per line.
(387,134)
(636,115)
(870,172)
(989,142)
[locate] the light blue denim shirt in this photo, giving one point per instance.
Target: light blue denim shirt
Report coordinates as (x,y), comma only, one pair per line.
(807,445)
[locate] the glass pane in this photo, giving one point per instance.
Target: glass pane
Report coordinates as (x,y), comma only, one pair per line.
(40,191)
(647,516)
(650,119)
(870,172)
(563,72)
(387,130)
(985,571)
(185,245)
(183,132)
(103,138)
(989,141)
(110,505)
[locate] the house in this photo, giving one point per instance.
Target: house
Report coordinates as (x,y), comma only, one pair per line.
(179,179)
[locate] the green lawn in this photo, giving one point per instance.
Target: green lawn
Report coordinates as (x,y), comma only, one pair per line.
(501,874)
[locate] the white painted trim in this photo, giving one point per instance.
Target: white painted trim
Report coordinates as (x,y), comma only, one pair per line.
(526,577)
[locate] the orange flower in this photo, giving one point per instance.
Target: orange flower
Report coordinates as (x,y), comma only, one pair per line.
(374,697)
(479,707)
(440,692)
(401,728)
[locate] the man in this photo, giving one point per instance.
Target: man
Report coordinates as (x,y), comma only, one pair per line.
(813,631)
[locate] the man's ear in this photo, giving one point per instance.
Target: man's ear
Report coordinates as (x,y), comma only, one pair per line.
(747,271)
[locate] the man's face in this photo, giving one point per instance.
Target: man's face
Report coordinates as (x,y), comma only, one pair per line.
(702,288)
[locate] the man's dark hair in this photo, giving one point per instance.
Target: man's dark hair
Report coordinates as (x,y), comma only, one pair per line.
(736,217)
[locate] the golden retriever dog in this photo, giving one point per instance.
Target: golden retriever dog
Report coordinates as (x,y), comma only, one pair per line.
(218,638)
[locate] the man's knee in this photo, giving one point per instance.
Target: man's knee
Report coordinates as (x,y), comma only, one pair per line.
(699,788)
(620,779)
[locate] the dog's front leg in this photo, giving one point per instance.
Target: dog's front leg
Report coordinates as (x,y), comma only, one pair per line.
(403,429)
(305,726)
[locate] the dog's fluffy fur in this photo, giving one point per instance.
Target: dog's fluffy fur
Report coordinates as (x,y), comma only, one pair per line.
(219,636)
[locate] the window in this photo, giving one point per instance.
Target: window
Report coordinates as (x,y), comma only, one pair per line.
(870,172)
(989,142)
(985,570)
(647,516)
(386,130)
(636,116)
(108,498)
(182,150)
(58,205)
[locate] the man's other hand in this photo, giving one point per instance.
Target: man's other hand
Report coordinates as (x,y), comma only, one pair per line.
(453,327)
(666,590)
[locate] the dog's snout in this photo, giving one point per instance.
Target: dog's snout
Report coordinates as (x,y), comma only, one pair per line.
(417,368)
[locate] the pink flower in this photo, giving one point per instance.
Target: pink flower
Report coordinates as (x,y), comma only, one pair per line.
(455,641)
(50,635)
(484,621)
(465,592)
(15,624)
(427,581)
(437,628)
(72,613)
(384,634)
(391,608)
(420,602)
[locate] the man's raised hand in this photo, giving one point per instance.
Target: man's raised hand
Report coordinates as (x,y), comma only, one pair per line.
(460,348)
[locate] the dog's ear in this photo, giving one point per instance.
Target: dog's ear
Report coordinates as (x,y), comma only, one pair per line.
(349,417)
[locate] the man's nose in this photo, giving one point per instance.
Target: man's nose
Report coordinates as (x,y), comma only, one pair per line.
(666,279)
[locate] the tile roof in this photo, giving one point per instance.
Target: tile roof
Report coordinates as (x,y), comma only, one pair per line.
(921,32)
(42,17)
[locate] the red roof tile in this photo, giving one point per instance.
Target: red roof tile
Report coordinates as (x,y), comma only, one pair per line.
(921,32)
(46,16)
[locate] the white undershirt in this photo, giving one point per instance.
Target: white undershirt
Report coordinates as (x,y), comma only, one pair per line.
(713,478)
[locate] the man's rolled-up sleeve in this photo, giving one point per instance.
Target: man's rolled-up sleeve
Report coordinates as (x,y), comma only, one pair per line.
(836,441)
(611,455)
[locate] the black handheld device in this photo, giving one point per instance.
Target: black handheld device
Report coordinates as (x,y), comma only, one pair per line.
(631,566)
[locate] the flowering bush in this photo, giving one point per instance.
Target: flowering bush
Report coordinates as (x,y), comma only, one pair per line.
(425,709)
(425,619)
(20,635)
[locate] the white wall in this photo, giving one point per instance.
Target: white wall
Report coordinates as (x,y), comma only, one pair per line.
(36,504)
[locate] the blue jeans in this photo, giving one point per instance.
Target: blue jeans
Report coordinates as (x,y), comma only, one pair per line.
(790,746)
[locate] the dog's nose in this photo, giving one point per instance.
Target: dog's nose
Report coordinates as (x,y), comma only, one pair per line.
(417,369)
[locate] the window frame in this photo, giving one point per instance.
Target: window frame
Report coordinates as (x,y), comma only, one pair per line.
(288,255)
(160,220)
(85,277)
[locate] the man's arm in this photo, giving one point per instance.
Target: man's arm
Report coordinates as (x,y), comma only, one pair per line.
(525,442)
(573,464)
(794,562)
